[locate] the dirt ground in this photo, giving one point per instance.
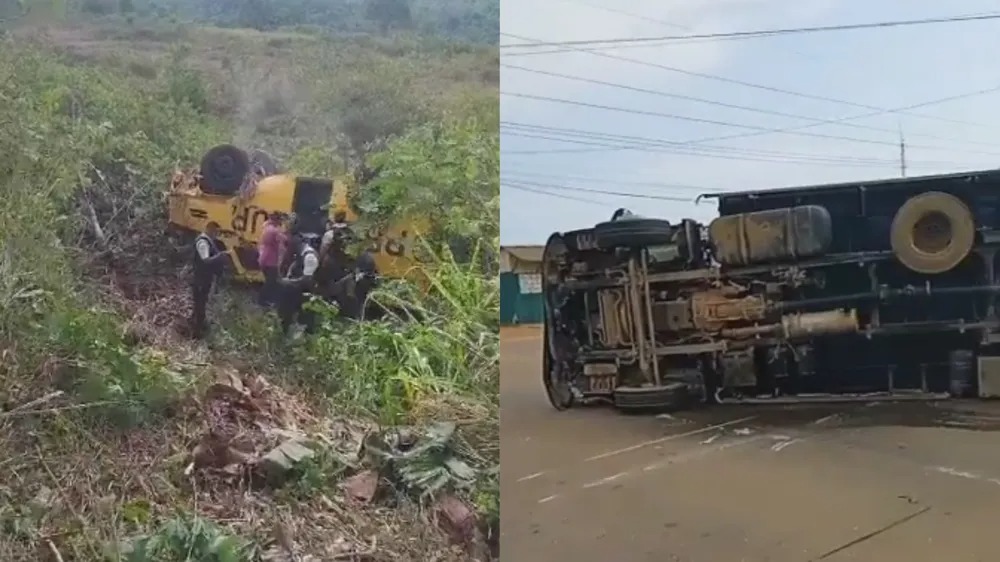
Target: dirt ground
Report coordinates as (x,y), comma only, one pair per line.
(865,482)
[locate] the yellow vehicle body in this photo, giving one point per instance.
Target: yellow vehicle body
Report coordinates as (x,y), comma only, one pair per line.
(241,218)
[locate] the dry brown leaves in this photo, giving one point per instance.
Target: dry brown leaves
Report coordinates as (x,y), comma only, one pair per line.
(185,181)
(244,417)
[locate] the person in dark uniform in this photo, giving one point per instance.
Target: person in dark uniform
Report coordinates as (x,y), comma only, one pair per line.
(208,264)
(297,285)
(333,258)
(350,292)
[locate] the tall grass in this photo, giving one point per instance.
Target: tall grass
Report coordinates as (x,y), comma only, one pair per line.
(63,130)
(436,354)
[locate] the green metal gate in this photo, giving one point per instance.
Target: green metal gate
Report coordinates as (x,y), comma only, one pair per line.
(520,298)
(529,308)
(508,298)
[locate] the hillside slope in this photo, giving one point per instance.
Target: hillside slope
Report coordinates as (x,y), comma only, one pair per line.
(123,440)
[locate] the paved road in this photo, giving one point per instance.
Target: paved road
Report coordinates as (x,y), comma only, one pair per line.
(872,483)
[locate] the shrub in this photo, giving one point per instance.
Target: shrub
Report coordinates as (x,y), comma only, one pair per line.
(404,371)
(71,133)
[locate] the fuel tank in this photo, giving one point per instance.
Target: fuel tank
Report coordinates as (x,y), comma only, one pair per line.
(772,235)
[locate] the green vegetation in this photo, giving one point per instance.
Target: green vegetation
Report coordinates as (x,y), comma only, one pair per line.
(97,391)
(468,21)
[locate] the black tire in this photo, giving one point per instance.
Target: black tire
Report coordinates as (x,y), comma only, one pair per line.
(632,233)
(223,170)
(672,396)
(264,161)
(557,388)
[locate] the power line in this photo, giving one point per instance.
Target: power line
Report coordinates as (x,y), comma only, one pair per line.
(650,19)
(843,122)
(585,49)
(625,142)
(616,181)
(630,14)
(757,33)
(614,141)
(605,192)
(877,110)
(604,147)
(552,194)
(719,123)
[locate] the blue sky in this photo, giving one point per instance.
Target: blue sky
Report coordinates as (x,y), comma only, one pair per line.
(885,68)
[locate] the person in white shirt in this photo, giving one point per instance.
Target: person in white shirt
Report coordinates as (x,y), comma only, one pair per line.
(297,286)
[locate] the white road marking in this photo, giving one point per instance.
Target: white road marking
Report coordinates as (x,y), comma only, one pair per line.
(667,438)
(698,453)
(530,476)
(605,480)
(711,439)
(777,447)
(689,455)
(965,474)
(821,421)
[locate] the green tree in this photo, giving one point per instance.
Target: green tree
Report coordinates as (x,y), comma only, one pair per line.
(447,172)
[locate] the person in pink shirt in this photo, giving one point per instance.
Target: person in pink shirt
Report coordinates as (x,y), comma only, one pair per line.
(270,254)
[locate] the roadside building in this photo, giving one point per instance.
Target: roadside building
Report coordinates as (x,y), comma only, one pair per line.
(520,284)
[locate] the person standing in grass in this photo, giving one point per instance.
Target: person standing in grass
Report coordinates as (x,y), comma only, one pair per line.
(208,263)
(297,286)
(270,255)
(333,259)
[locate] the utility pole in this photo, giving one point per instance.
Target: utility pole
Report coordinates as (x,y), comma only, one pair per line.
(902,152)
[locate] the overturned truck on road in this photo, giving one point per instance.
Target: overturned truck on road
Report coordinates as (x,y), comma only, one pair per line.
(884,288)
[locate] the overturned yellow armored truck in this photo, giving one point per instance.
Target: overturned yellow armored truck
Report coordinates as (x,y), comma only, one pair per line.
(239,189)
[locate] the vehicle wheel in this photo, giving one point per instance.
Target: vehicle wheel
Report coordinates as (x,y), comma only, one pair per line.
(557,386)
(554,378)
(961,373)
(223,170)
(639,399)
(264,161)
(711,380)
(932,232)
(632,233)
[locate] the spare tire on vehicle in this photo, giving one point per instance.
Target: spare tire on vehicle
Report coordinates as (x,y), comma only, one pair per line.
(932,232)
(224,169)
(629,232)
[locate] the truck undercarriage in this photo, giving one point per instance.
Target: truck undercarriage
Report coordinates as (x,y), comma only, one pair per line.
(883,289)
